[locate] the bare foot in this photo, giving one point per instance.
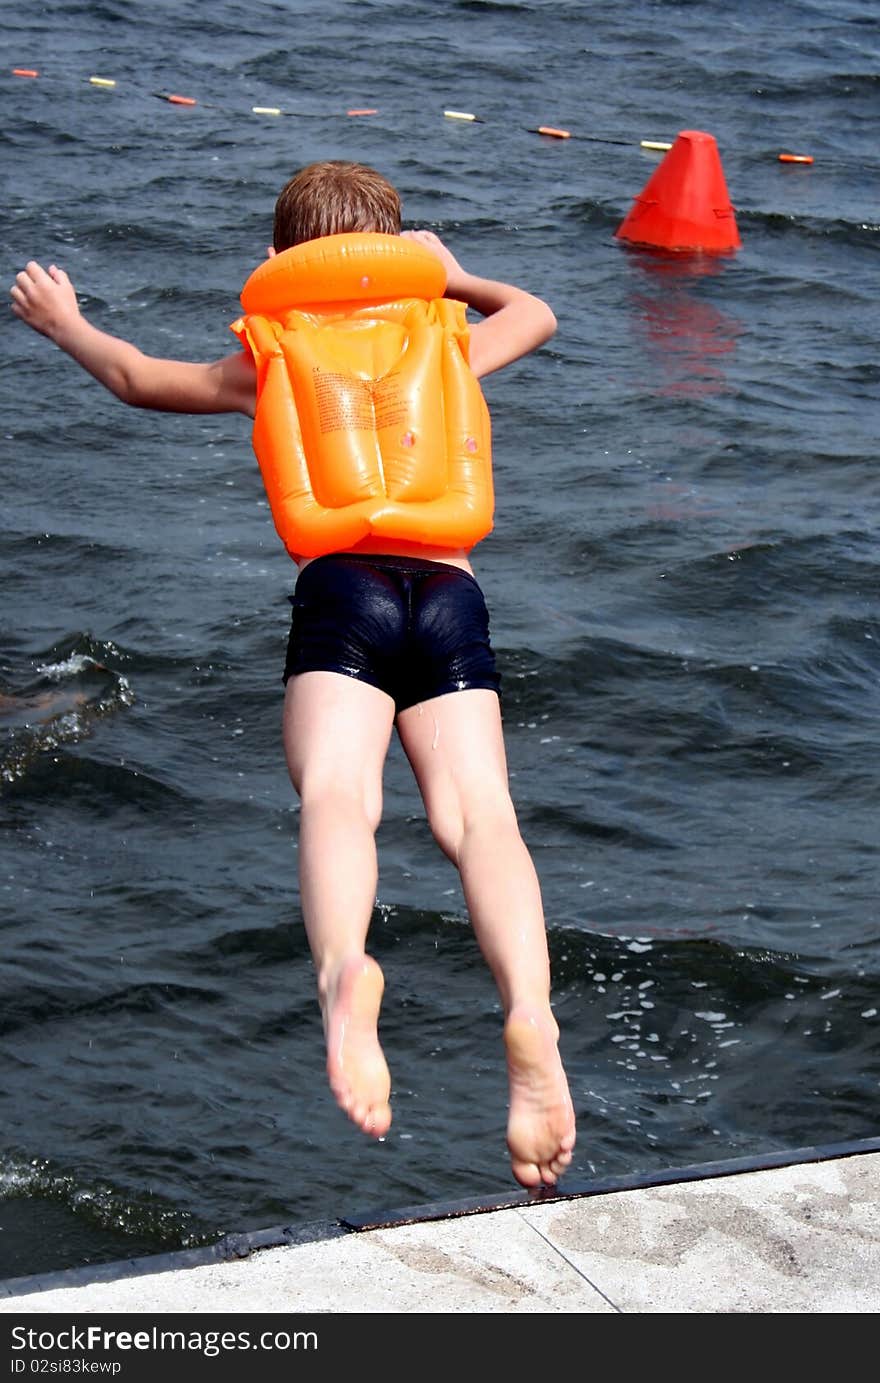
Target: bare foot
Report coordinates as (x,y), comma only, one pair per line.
(356,1066)
(540,1128)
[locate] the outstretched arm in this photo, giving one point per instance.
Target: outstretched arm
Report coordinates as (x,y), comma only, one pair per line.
(47,302)
(514,322)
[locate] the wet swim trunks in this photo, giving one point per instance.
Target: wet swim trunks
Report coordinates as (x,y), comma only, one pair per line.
(413,628)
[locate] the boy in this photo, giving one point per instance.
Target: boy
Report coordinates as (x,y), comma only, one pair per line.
(341,702)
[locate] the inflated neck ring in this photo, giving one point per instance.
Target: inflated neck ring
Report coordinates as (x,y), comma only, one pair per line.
(360,266)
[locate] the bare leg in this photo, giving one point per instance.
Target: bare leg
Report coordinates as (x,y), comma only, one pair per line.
(456,748)
(336,735)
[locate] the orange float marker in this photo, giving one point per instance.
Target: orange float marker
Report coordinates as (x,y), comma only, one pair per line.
(25,72)
(366,111)
(684,205)
(551,130)
(795,158)
(181,100)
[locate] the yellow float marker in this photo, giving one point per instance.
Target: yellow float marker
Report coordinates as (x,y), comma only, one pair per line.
(460,115)
(102,81)
(654,144)
(266,110)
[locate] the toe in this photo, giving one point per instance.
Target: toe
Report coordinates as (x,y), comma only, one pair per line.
(378,1121)
(528,1174)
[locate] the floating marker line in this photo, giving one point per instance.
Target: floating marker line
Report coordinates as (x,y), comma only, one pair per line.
(469,117)
(555,133)
(275,110)
(600,139)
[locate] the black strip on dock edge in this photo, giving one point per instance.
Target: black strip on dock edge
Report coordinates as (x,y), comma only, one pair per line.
(226,1250)
(234,1246)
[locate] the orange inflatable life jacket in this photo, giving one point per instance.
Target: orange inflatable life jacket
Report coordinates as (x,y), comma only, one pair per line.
(369,421)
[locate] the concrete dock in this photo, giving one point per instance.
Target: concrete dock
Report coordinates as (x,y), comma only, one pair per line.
(801,1233)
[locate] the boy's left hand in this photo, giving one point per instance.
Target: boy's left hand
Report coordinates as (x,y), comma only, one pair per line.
(454,272)
(44,300)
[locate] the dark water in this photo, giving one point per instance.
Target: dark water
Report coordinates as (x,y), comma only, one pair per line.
(684,581)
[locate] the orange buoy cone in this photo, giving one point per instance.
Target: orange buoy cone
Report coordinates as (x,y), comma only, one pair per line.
(684,205)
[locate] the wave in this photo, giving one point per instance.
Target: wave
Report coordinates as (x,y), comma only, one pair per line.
(837,230)
(42,1006)
(100,1204)
(71,689)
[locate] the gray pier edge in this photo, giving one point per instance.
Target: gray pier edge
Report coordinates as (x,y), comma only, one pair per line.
(236,1246)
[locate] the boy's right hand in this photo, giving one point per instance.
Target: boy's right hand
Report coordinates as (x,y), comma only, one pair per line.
(44,300)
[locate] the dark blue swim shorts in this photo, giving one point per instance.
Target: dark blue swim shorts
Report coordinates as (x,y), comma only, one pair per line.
(413,628)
